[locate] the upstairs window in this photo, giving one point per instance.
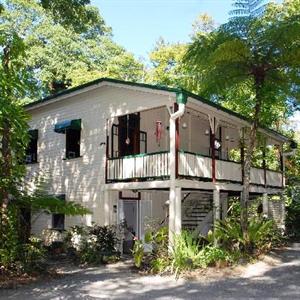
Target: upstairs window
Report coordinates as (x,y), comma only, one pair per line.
(72,130)
(31,151)
(72,143)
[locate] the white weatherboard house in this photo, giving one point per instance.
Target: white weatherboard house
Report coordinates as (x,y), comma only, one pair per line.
(130,151)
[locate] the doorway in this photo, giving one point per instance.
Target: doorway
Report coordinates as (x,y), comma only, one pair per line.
(127,138)
(129,216)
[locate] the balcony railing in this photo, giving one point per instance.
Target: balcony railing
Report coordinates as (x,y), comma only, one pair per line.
(194,165)
(153,166)
(139,167)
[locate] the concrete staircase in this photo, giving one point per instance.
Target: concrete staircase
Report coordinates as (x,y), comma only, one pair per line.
(197,211)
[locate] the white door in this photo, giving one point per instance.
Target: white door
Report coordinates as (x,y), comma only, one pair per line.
(130,209)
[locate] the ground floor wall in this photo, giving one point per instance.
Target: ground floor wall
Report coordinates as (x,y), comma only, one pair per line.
(150,208)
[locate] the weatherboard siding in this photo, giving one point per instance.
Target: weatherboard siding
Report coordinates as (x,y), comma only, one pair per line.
(80,179)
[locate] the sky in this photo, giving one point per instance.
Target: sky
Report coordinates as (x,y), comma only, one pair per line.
(138,24)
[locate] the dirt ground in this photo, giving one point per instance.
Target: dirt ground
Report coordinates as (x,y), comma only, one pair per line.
(276,276)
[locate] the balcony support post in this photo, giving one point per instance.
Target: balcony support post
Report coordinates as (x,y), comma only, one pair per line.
(177,217)
(242,142)
(216,206)
(224,207)
(106,208)
(175,192)
(172,193)
(213,122)
(282,165)
(265,204)
(264,163)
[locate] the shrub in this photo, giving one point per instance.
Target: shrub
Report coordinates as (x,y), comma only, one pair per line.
(262,234)
(33,253)
(95,244)
(10,246)
(138,253)
(158,241)
(185,254)
(212,255)
(293,219)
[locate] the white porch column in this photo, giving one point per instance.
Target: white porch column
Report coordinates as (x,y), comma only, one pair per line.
(172,198)
(224,207)
(177,217)
(216,202)
(216,207)
(172,194)
(265,204)
(107,210)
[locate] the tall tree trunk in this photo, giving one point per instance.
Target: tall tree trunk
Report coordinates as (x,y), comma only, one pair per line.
(250,145)
(5,149)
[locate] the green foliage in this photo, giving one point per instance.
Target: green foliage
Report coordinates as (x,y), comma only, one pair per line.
(51,204)
(65,47)
(16,256)
(262,235)
(10,247)
(247,8)
(138,253)
(185,254)
(166,68)
(77,14)
(293,211)
(34,252)
(227,60)
(95,244)
(212,255)
(158,239)
(251,65)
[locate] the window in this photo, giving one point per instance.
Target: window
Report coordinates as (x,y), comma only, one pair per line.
(31,151)
(58,220)
(72,130)
(72,143)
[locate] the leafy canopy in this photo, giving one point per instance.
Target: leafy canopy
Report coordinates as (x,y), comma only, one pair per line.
(250,58)
(65,47)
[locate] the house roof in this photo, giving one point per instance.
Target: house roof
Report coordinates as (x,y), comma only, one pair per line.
(153,87)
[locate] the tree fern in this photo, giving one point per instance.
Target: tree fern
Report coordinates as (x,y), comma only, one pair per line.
(248,8)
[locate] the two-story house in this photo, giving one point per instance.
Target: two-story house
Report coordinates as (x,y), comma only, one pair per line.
(136,151)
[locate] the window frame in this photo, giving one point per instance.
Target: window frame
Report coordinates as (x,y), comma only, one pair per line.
(62,197)
(32,144)
(68,144)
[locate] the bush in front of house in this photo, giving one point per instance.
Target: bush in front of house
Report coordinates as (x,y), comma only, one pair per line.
(224,246)
(186,254)
(93,244)
(292,196)
(293,220)
(263,235)
(17,256)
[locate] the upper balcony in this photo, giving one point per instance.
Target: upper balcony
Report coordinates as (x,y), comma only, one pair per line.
(138,150)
